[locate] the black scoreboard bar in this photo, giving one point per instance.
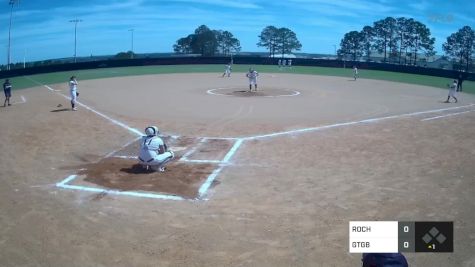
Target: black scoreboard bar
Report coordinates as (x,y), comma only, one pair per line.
(394,236)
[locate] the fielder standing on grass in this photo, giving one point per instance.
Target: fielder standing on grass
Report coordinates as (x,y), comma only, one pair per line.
(452,90)
(355,72)
(7,89)
(73,90)
(252,75)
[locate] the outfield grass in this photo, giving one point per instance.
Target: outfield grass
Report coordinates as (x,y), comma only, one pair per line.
(58,77)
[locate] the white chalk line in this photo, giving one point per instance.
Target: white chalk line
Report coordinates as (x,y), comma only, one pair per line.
(64,184)
(23,101)
(324,127)
(191,151)
(209,181)
(122,147)
(114,121)
(447,115)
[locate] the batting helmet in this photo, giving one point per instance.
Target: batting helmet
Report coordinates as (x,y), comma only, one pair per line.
(151,131)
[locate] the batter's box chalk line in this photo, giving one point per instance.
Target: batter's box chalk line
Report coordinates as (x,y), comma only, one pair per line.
(204,188)
(202,191)
(238,141)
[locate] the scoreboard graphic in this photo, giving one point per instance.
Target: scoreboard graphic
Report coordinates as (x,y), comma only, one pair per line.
(394,237)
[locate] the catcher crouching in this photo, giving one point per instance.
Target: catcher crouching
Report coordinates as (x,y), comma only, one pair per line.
(154,153)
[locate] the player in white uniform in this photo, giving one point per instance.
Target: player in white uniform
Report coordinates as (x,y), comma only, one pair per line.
(452,90)
(280,63)
(153,151)
(227,70)
(73,90)
(289,63)
(355,72)
(284,63)
(252,75)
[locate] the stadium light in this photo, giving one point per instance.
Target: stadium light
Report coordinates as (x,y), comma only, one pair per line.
(9,56)
(76,21)
(132,45)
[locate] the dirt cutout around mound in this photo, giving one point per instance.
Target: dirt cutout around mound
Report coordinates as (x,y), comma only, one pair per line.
(260,92)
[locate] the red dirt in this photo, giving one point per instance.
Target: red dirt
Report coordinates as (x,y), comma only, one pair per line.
(283,201)
(212,149)
(126,175)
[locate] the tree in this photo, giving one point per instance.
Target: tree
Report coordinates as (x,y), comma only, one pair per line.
(204,41)
(384,35)
(461,46)
(227,43)
(207,42)
(402,25)
(183,45)
(352,44)
(268,39)
(125,55)
(367,35)
(422,40)
(287,41)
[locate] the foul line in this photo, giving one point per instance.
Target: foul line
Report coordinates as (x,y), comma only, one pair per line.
(114,121)
(448,115)
(63,184)
(122,147)
(352,123)
(237,144)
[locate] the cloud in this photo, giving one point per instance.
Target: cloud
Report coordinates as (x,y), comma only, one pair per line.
(354,6)
(222,3)
(419,6)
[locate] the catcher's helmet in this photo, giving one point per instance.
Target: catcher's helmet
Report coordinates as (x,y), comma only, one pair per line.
(151,131)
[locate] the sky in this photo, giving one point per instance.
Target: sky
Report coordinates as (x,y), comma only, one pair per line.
(41,29)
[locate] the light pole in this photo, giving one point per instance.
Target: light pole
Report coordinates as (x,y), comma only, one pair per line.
(132,43)
(9,56)
(76,21)
(334,47)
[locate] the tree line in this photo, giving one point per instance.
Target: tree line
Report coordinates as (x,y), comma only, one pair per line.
(401,40)
(207,42)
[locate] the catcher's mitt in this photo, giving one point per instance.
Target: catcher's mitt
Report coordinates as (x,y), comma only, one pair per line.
(77,93)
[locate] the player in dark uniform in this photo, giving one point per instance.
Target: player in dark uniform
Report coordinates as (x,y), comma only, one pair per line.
(459,82)
(7,89)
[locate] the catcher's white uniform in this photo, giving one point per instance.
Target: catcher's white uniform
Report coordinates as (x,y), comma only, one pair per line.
(149,154)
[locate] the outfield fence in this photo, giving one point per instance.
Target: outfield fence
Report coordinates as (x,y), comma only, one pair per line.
(236,60)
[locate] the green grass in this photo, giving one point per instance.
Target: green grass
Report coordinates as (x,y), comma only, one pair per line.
(59,77)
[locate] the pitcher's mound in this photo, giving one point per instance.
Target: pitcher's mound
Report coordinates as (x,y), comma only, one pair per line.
(261,92)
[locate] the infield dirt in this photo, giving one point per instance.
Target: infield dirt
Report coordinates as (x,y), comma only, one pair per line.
(282,201)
